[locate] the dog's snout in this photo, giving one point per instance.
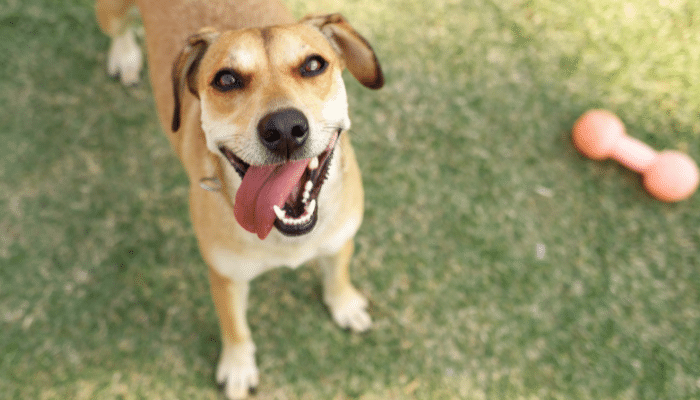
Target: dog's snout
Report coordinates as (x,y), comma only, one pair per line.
(284,131)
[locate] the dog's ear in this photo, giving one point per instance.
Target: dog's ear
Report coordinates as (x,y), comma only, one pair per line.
(357,53)
(186,66)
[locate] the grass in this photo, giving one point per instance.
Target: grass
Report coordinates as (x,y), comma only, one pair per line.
(500,263)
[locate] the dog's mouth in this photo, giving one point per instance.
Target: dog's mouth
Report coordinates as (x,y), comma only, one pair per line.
(280,195)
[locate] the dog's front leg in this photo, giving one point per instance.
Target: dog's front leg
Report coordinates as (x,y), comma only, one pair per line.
(347,306)
(236,370)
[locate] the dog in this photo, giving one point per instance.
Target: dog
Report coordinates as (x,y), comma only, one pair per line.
(256,109)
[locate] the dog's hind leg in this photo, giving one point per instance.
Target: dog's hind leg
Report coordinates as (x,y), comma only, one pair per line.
(124,59)
(347,306)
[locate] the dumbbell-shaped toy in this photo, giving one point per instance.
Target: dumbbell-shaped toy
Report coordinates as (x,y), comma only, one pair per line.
(669,175)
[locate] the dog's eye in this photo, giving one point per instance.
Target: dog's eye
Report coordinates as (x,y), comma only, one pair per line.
(226,80)
(314,65)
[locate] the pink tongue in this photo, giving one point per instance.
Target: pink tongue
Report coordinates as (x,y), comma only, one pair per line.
(262,188)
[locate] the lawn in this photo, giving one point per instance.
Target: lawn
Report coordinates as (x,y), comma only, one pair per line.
(500,263)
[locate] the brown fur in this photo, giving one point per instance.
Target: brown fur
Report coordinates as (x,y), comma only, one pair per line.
(188,41)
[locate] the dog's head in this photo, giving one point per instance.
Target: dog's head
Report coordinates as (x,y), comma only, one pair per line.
(273,104)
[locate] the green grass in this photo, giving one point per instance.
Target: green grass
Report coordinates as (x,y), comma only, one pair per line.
(468,168)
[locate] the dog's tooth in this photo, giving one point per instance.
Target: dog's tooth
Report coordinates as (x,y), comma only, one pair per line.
(279,213)
(307,191)
(303,219)
(311,208)
(313,164)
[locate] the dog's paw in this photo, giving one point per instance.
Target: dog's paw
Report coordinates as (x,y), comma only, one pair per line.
(124,59)
(349,310)
(237,371)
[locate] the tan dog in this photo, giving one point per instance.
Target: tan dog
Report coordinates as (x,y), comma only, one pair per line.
(256,109)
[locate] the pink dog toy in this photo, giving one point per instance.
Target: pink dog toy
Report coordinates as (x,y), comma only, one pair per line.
(669,175)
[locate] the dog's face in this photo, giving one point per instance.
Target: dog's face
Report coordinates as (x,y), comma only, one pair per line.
(248,77)
(273,104)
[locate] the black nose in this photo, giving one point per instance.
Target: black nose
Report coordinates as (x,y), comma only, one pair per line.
(284,131)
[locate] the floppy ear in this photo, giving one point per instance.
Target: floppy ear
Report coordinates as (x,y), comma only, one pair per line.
(353,48)
(186,66)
